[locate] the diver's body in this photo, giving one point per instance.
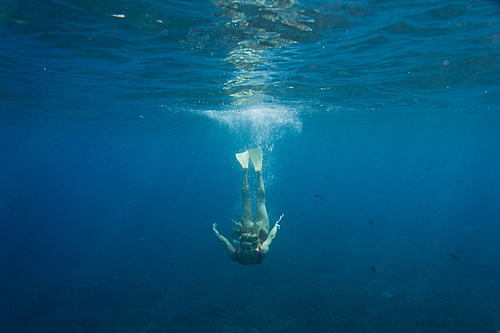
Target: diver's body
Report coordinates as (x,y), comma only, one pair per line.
(255,237)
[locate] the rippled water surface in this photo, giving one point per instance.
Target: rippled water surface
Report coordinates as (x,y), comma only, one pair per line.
(116,61)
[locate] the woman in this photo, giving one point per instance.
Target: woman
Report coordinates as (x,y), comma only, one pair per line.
(255,237)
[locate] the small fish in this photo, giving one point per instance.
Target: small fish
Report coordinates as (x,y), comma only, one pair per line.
(415,175)
(429,169)
(371,222)
(23,22)
(387,295)
(460,181)
(344,74)
(455,257)
(317,196)
(373,269)
(325,218)
(303,214)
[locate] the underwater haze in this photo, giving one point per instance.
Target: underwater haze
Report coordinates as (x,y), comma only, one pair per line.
(379,122)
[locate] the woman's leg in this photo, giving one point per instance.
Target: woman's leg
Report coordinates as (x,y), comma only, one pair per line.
(262,220)
(247,215)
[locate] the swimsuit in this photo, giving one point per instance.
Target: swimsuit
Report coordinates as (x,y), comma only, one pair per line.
(259,259)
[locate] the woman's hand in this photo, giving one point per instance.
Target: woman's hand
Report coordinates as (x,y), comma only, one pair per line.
(214,228)
(277,225)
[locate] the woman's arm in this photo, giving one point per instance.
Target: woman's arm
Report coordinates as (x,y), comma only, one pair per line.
(224,242)
(270,237)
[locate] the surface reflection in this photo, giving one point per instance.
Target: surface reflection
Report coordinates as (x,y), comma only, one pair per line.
(253,30)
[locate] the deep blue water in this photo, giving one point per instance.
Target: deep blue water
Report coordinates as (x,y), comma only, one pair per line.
(380,128)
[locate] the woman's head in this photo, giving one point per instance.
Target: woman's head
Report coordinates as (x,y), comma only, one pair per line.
(248,244)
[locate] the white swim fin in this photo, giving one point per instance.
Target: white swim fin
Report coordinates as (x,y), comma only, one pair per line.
(256,157)
(243,159)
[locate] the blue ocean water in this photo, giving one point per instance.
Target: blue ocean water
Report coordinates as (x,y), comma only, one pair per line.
(380,128)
